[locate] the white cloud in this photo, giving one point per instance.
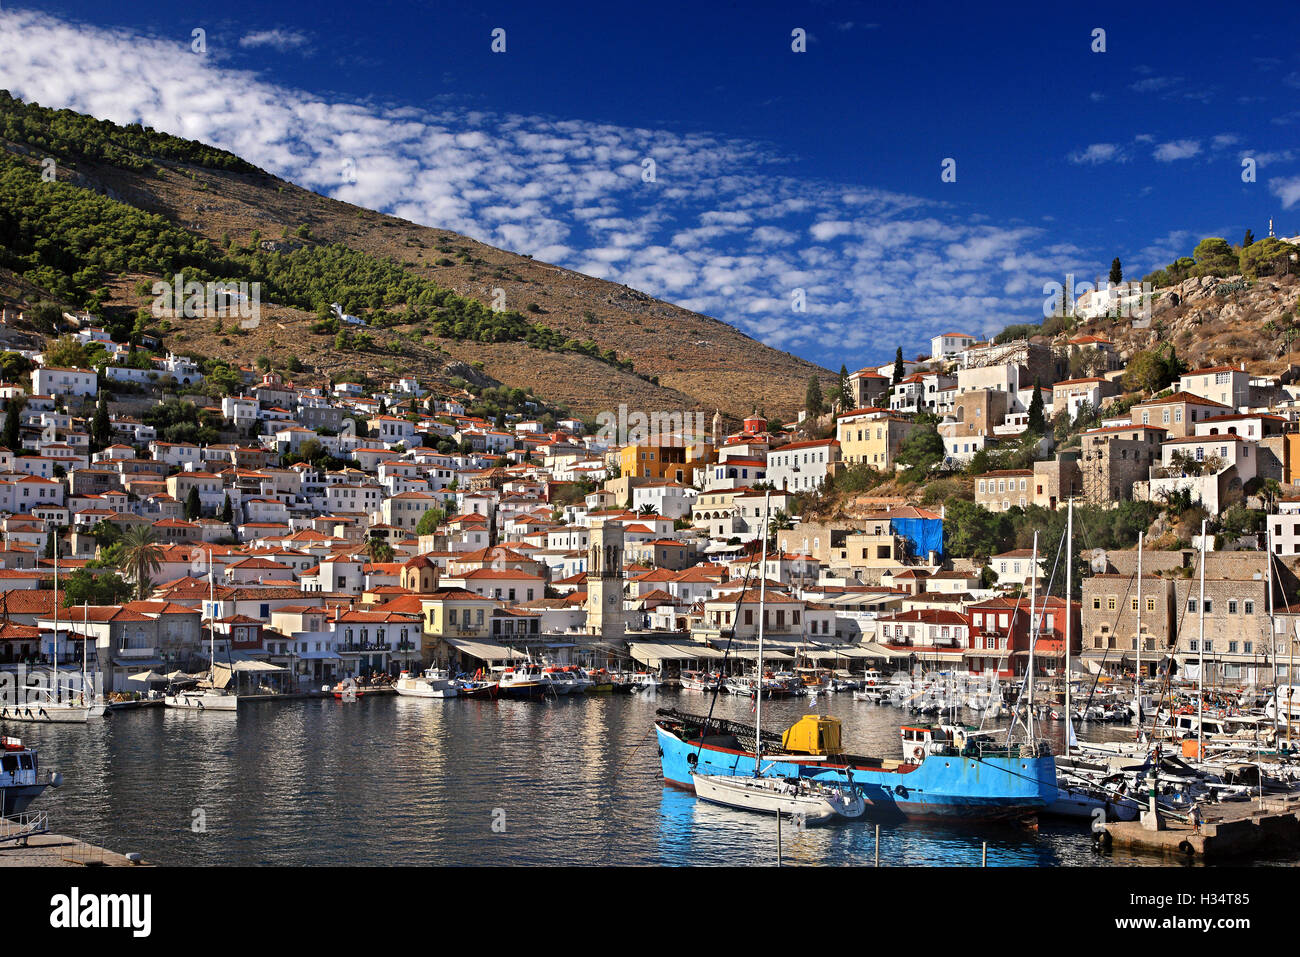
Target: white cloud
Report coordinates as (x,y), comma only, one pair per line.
(1176,150)
(1287,190)
(281,40)
(722,230)
(1097,153)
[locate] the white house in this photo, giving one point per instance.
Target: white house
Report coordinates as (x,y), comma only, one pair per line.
(54,380)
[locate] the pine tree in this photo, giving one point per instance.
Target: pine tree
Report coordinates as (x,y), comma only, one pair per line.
(1248,240)
(899,370)
(193,507)
(1116,272)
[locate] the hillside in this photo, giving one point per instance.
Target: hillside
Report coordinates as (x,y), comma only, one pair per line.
(679,359)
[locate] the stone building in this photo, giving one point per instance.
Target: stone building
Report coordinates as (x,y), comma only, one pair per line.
(1109,621)
(1112,459)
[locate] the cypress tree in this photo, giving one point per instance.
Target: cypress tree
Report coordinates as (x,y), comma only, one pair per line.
(1116,272)
(101,429)
(193,507)
(899,370)
(1037,423)
(13,416)
(813,398)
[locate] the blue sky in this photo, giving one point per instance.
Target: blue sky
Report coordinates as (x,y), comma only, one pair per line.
(774,171)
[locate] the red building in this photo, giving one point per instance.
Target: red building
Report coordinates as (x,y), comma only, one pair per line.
(999,635)
(936,637)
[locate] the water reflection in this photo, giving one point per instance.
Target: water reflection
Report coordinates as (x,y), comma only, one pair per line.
(408,781)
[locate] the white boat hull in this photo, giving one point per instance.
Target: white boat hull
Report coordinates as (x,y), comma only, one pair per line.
(770,796)
(202,702)
(425,692)
(46,713)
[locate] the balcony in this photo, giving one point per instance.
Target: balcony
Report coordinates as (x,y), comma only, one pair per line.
(149,652)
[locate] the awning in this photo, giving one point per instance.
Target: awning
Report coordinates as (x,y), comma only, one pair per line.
(875,650)
(647,651)
(824,653)
(316,655)
(251,666)
(486,650)
(768,655)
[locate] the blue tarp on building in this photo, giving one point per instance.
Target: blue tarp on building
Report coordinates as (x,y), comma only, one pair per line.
(924,535)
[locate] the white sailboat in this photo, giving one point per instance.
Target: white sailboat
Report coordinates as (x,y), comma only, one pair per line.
(211,698)
(800,798)
(49,705)
(1077,796)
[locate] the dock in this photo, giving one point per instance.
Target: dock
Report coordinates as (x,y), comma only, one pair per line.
(25,841)
(1227,830)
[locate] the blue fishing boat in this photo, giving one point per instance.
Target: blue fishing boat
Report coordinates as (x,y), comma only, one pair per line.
(967,779)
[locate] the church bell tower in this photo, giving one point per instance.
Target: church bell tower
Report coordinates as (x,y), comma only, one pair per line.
(605,581)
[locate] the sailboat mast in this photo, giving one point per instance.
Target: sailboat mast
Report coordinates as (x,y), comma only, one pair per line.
(762,595)
(56,613)
(1033,633)
(1069,589)
(212,621)
(1200,659)
(1137,668)
(1272,629)
(85,631)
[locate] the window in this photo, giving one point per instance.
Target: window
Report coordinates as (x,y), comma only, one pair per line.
(1110,603)
(1151,604)
(1191,606)
(1096,604)
(1249,607)
(1192,645)
(1209,606)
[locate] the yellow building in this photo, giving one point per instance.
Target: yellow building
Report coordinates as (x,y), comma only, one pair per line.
(457,613)
(653,461)
(872,437)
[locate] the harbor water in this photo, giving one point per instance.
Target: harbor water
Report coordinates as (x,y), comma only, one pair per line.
(403,781)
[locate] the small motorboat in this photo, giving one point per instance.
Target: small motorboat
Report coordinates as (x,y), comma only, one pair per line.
(646,681)
(434,683)
(21,781)
(527,682)
(483,690)
(347,690)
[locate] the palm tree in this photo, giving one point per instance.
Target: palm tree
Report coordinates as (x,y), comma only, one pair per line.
(646,509)
(141,556)
(780,521)
(378,550)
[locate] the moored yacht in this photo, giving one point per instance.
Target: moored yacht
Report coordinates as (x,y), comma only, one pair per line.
(21,781)
(433,683)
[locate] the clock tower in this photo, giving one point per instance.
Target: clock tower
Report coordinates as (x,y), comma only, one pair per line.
(605,581)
